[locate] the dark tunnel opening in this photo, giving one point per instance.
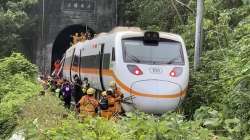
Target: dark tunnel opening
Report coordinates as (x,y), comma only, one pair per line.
(63,39)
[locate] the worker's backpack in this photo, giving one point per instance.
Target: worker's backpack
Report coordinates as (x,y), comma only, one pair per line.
(104,104)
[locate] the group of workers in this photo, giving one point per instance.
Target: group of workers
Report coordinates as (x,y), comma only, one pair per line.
(83,98)
(109,105)
(80,37)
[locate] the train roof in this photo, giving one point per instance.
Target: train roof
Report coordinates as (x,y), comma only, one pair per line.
(126,30)
(120,30)
(135,30)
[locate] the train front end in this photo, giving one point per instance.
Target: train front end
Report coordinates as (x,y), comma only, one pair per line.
(152,72)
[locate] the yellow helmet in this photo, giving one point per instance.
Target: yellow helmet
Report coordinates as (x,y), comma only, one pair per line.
(57,90)
(84,90)
(104,93)
(90,91)
(112,84)
(110,91)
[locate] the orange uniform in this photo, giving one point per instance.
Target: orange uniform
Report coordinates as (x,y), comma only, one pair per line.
(88,105)
(118,98)
(107,114)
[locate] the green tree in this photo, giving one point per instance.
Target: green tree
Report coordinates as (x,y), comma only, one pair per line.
(155,15)
(13,18)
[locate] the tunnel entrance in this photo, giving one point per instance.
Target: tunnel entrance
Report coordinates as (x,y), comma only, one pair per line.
(63,39)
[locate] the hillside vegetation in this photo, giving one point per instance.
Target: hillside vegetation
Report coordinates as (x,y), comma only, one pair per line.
(17,85)
(218,100)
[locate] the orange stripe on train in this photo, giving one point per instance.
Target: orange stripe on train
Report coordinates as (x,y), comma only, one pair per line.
(124,86)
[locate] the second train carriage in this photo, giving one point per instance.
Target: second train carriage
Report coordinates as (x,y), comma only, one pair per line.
(150,68)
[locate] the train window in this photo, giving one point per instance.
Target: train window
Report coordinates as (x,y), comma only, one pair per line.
(113,54)
(106,61)
(76,61)
(67,61)
(89,61)
(166,52)
(92,61)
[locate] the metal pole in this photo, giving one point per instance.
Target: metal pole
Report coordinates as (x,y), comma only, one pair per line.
(116,12)
(198,33)
(43,47)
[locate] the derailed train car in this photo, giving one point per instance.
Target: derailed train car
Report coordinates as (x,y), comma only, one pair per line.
(150,68)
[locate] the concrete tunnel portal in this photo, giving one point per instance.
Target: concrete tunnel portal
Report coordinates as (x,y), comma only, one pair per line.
(63,41)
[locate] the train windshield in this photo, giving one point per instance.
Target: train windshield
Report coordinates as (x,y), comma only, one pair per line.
(165,52)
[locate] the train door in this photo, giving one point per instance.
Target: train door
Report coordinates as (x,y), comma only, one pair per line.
(101,58)
(80,64)
(67,66)
(76,64)
(71,59)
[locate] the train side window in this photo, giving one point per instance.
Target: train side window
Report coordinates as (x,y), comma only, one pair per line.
(113,54)
(106,61)
(76,61)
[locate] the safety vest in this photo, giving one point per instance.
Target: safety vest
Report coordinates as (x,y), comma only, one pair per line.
(88,104)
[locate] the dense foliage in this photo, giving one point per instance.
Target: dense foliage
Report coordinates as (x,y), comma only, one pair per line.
(14,23)
(16,86)
(219,91)
(43,117)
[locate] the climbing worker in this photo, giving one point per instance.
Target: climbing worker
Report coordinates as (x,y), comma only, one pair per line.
(82,37)
(75,38)
(88,35)
(88,104)
(66,92)
(77,93)
(107,104)
(118,97)
(57,67)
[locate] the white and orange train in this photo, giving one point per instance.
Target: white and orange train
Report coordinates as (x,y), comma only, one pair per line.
(151,69)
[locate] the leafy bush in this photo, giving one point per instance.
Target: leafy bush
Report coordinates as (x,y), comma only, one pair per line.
(16,86)
(16,64)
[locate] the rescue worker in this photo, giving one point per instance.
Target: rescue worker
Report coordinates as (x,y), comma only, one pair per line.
(82,37)
(107,104)
(88,35)
(88,104)
(66,92)
(75,38)
(57,67)
(57,91)
(86,85)
(65,81)
(77,93)
(42,81)
(52,84)
(60,82)
(118,97)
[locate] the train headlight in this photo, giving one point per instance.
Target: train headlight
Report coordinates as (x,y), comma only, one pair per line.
(175,72)
(134,69)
